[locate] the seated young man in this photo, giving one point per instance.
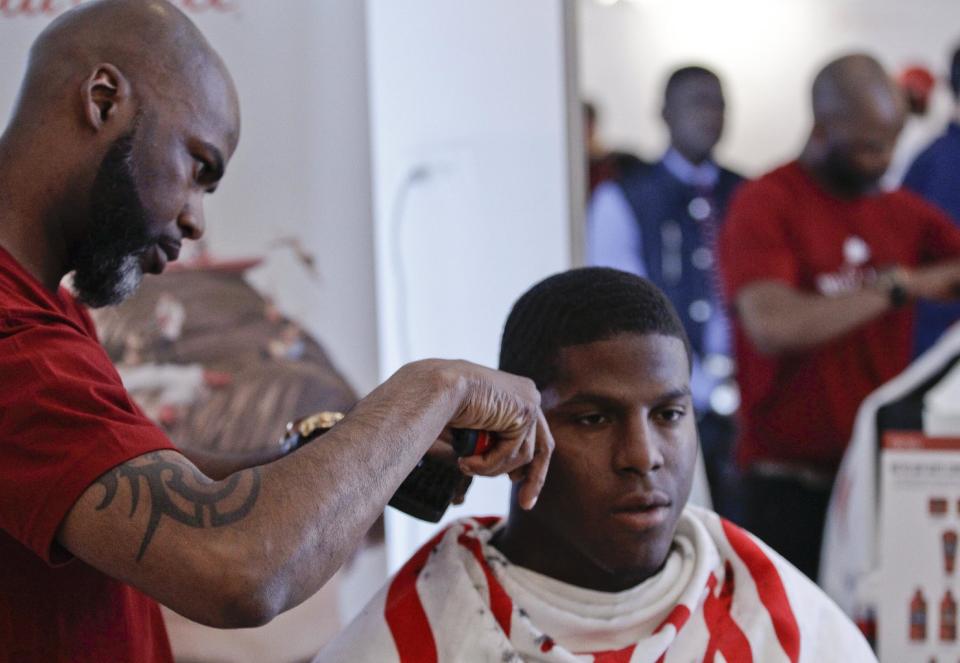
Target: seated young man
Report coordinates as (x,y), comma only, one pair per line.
(610,565)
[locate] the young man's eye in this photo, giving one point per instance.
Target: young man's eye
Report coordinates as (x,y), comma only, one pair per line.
(593,419)
(671,414)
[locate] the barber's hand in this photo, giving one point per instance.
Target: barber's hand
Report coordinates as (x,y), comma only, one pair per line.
(508,407)
(938,282)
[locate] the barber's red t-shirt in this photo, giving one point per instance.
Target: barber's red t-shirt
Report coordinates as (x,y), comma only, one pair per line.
(65,419)
(800,406)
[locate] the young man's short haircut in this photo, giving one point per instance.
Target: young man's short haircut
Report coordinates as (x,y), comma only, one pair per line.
(577,307)
(682,75)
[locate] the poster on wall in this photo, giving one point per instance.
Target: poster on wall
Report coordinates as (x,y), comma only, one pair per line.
(919,529)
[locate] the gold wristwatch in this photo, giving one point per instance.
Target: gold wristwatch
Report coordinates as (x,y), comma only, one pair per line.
(306,429)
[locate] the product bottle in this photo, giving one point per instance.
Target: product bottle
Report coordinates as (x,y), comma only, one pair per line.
(948,618)
(918,617)
(949,550)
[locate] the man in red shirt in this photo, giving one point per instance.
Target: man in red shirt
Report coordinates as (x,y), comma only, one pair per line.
(125,120)
(821,268)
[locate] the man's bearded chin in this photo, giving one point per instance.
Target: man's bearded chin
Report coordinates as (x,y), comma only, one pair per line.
(106,262)
(846,177)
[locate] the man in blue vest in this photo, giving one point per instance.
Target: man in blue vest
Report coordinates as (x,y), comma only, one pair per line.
(661,222)
(935,176)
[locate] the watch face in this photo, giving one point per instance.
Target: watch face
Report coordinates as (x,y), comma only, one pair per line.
(316,424)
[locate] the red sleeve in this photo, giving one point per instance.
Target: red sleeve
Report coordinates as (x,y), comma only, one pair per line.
(753,243)
(65,419)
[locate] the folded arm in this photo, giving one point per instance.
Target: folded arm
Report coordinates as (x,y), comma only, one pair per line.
(779,318)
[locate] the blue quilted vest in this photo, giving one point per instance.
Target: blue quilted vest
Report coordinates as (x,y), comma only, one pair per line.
(677,251)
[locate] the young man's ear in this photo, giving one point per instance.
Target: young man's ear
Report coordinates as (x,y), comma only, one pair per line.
(105,93)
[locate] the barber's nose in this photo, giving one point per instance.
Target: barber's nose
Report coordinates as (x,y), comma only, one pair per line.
(638,450)
(191,221)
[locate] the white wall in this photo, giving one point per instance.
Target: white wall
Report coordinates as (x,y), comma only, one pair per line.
(302,168)
(471,182)
(766,51)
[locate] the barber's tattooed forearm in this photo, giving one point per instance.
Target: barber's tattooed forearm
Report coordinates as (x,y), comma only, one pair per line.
(173,487)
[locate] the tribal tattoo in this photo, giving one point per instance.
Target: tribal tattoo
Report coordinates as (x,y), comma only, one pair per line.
(168,486)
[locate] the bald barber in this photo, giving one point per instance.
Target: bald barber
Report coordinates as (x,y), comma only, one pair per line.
(125,121)
(822,269)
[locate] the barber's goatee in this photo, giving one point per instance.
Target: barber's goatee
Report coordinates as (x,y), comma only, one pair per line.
(109,287)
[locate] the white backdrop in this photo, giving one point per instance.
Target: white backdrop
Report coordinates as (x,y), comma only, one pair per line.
(766,52)
(469,117)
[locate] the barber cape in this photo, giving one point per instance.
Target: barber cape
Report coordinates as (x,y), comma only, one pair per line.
(721,597)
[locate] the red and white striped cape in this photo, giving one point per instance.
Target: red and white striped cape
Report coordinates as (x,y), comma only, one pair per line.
(739,602)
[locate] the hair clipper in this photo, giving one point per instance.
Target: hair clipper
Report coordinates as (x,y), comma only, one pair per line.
(431,486)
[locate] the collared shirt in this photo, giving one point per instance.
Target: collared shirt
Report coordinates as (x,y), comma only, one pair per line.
(700,176)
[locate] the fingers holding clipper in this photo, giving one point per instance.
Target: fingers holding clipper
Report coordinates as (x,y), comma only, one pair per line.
(535,473)
(508,452)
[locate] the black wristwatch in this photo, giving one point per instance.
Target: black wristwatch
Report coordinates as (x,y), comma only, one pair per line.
(301,431)
(891,281)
